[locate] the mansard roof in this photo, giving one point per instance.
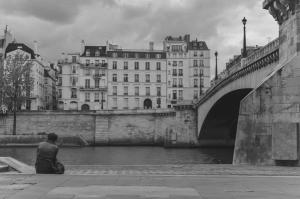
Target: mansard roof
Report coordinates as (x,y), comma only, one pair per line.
(15,46)
(93,50)
(140,54)
(197,45)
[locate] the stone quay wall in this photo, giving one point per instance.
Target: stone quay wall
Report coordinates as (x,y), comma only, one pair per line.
(119,127)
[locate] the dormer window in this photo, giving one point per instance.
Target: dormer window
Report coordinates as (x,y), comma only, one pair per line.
(158,56)
(114,55)
(125,55)
(136,55)
(88,53)
(147,56)
(97,53)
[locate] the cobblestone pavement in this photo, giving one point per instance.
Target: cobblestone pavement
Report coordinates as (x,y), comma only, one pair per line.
(192,169)
(156,182)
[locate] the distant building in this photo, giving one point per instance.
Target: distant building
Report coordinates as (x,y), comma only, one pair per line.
(188,69)
(108,77)
(41,96)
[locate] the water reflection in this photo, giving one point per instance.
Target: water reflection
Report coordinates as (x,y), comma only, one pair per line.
(127,155)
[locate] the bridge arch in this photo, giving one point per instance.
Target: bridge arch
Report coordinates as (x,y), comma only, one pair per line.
(221,121)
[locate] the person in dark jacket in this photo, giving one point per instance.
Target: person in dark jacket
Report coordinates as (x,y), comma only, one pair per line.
(46,162)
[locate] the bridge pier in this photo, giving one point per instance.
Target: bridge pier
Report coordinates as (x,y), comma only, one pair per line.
(269,117)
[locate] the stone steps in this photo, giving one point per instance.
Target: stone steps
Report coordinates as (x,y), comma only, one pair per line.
(101,133)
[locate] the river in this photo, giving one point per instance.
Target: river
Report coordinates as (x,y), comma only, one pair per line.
(127,155)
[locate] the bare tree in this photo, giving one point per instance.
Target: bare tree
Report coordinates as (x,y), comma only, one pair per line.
(17,83)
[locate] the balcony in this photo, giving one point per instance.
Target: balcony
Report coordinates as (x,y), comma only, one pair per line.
(73,96)
(98,76)
(92,65)
(174,85)
(100,88)
(174,74)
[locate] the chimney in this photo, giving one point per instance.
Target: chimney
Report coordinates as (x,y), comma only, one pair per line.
(151,45)
(82,47)
(35,47)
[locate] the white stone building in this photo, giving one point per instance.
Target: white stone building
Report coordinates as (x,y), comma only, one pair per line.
(136,79)
(188,69)
(38,99)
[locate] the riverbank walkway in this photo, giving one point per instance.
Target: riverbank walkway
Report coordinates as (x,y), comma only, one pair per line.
(155,182)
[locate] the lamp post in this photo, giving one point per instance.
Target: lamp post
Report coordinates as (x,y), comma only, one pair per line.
(102,100)
(216,55)
(244,54)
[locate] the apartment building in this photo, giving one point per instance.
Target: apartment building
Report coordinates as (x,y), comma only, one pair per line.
(41,96)
(82,83)
(188,69)
(136,79)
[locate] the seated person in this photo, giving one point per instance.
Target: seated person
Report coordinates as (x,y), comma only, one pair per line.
(46,161)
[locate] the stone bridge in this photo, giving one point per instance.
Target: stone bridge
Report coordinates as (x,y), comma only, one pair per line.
(218,109)
(256,102)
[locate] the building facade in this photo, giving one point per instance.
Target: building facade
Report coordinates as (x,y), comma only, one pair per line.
(188,68)
(41,97)
(108,77)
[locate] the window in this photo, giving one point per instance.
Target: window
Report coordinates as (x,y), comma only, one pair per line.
(169,83)
(114,79)
(195,53)
(195,63)
(125,90)
(180,83)
(180,72)
(201,72)
(59,81)
(195,83)
(115,55)
(147,66)
(97,53)
(158,66)
(174,95)
(147,91)
(59,93)
(87,97)
(115,103)
(176,48)
(136,78)
(147,56)
(158,78)
(158,102)
(115,90)
(195,94)
(180,94)
(174,63)
(87,62)
(196,72)
(73,81)
(73,69)
(73,59)
(136,65)
(125,55)
(87,83)
(201,62)
(147,77)
(87,71)
(174,72)
(158,56)
(180,63)
(97,97)
(125,65)
(137,102)
(174,82)
(201,81)
(125,77)
(97,83)
(158,91)
(115,65)
(97,62)
(136,55)
(136,91)
(88,52)
(125,103)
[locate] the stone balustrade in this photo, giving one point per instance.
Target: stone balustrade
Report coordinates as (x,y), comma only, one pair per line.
(258,59)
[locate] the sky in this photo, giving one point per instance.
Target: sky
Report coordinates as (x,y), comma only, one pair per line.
(60,25)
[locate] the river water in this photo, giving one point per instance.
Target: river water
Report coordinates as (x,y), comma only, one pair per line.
(127,155)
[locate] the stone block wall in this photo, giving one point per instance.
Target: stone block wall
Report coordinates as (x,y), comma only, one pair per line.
(268,125)
(139,127)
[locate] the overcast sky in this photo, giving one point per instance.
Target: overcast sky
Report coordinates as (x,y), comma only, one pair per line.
(60,25)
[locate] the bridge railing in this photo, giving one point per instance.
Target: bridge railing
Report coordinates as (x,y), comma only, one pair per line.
(252,62)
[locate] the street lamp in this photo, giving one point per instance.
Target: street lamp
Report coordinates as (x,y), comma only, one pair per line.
(216,55)
(244,54)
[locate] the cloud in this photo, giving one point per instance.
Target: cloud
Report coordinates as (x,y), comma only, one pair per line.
(59,25)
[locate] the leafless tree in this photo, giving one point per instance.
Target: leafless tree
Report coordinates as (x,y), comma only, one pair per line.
(16,83)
